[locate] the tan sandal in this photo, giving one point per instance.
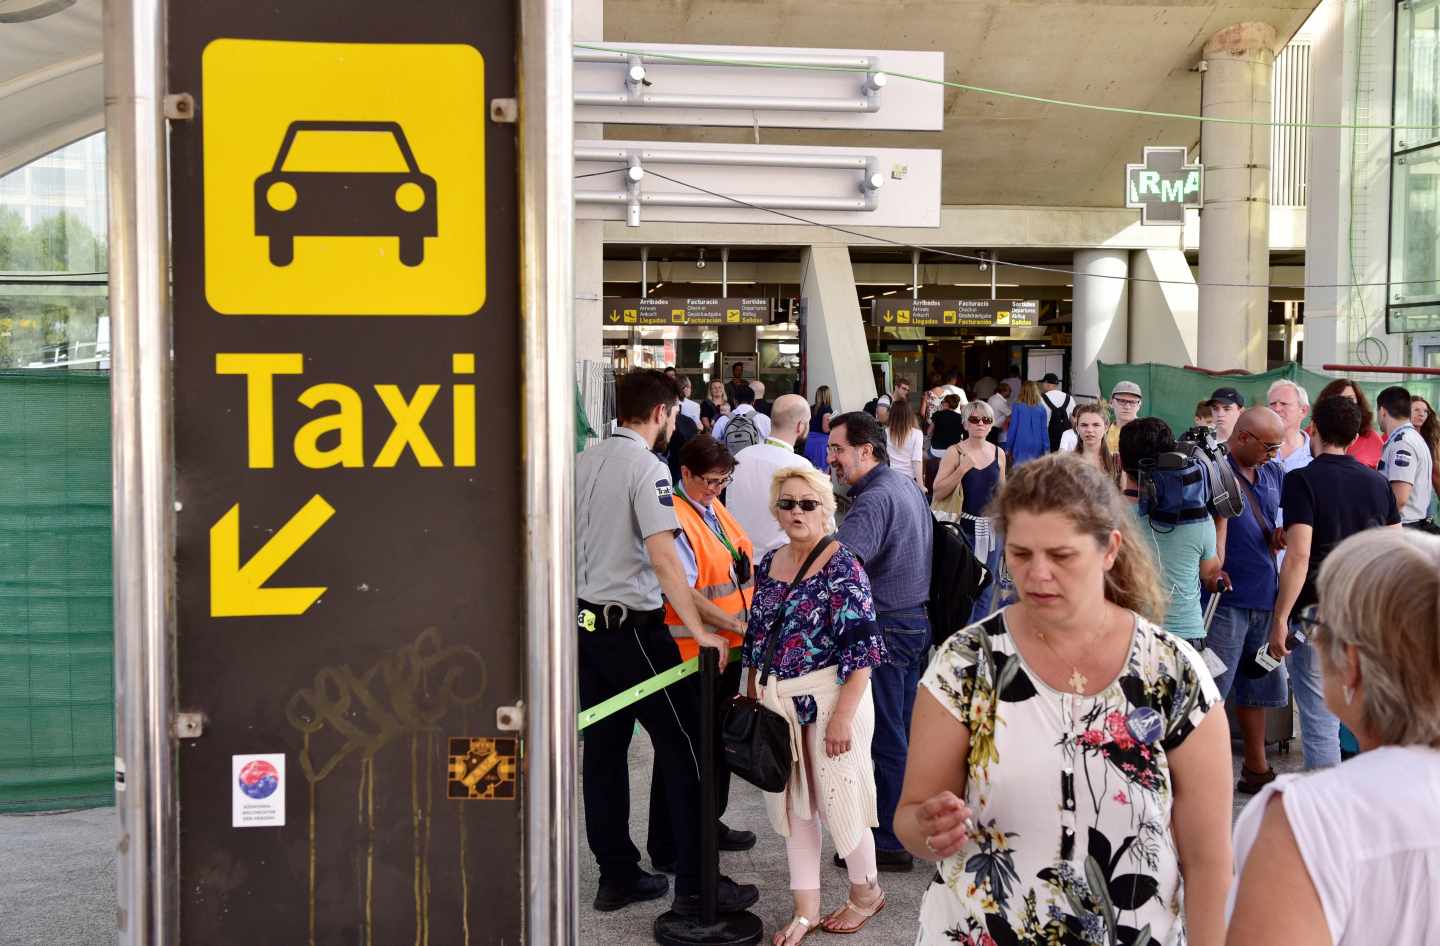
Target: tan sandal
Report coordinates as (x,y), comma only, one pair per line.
(806,925)
(865,916)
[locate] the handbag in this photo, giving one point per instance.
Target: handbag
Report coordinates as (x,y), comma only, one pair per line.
(954,504)
(755,738)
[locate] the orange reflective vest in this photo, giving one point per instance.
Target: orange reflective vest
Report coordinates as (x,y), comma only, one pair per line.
(716,579)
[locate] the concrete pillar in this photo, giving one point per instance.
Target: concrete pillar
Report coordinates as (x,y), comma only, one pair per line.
(1164,310)
(836,351)
(1101,317)
(589,26)
(1235,220)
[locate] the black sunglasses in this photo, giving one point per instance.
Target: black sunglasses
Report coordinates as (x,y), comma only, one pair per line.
(1310,624)
(808,505)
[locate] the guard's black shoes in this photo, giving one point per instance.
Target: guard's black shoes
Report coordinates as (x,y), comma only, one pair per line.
(730,897)
(887,861)
(664,867)
(613,895)
(732,840)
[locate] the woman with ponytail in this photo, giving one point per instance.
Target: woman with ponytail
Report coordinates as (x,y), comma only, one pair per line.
(1075,783)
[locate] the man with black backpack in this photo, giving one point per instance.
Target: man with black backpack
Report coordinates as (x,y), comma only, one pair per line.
(744,426)
(890,529)
(1058,406)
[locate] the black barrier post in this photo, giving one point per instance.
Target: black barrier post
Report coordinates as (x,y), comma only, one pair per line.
(710,928)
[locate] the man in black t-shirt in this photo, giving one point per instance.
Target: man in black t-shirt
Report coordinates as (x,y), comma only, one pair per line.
(1325,503)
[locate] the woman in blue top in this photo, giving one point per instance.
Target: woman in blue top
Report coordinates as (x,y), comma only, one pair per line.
(977,467)
(819,437)
(820,682)
(1029,436)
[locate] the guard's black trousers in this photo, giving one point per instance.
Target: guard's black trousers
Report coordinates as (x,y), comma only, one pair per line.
(611,659)
(661,840)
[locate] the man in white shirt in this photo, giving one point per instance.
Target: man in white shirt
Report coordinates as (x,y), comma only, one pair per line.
(1052,397)
(1013,380)
(748,498)
(902,393)
(1000,403)
(744,404)
(1292,403)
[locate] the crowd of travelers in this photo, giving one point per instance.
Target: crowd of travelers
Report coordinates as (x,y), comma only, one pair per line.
(1062,760)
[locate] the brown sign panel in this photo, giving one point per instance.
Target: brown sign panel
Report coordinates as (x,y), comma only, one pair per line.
(956,313)
(627,313)
(348,535)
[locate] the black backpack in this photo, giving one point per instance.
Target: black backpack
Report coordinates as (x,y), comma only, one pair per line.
(1059,420)
(871,406)
(957,578)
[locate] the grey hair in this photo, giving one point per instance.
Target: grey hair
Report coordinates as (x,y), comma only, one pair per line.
(979,407)
(1301,394)
(1381,595)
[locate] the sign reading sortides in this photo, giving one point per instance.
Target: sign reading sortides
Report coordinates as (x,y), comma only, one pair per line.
(956,313)
(622,313)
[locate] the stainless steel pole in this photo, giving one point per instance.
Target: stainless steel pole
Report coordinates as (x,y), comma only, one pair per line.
(143,464)
(547,438)
(725,271)
(914,274)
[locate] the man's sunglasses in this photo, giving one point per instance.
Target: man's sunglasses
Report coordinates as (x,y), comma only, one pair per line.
(1310,624)
(980,420)
(808,505)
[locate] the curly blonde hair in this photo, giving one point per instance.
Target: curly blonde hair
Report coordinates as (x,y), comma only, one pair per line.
(1064,483)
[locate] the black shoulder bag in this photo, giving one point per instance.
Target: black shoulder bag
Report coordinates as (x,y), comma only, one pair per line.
(756,739)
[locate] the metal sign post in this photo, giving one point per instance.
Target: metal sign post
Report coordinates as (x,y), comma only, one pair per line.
(370,707)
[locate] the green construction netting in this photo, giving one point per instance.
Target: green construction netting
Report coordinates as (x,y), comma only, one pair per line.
(1171,393)
(57,720)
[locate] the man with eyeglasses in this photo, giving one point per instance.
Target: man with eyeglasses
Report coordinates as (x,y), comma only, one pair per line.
(1325,502)
(716,555)
(1241,625)
(890,529)
(1125,400)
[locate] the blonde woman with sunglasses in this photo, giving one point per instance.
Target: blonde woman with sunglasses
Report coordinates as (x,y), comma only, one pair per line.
(977,468)
(827,641)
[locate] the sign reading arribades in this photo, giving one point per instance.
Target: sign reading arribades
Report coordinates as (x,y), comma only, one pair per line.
(345,241)
(623,313)
(956,313)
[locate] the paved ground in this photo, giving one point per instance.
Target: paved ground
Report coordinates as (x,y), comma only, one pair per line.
(57,875)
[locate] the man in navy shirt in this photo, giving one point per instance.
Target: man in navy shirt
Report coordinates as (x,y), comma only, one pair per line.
(1326,502)
(1242,621)
(890,529)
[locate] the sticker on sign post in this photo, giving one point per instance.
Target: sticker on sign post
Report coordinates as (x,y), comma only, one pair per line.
(257,791)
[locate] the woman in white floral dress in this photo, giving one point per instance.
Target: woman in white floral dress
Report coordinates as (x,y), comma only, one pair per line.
(1075,783)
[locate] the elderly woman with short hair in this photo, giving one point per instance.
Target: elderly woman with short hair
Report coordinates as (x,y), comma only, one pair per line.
(827,641)
(1351,855)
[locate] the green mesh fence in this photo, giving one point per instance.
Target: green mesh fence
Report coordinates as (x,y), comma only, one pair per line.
(57,721)
(1171,393)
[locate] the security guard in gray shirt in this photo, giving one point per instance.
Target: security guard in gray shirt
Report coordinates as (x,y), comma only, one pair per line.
(625,558)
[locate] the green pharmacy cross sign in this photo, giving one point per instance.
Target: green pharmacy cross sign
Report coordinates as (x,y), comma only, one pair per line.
(1164,187)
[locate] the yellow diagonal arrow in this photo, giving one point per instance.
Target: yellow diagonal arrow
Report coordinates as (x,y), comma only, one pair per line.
(236,590)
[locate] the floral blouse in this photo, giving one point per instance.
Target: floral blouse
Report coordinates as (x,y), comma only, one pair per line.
(829,622)
(1072,796)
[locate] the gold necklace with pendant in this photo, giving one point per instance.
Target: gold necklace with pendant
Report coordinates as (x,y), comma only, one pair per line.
(1077,680)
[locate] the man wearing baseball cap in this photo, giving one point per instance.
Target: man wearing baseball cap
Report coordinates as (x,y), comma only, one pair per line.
(1226,403)
(1125,401)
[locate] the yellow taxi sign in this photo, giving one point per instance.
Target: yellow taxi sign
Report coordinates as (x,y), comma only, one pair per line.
(340,179)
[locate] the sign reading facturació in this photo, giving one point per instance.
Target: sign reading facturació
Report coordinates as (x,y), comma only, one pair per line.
(1164,187)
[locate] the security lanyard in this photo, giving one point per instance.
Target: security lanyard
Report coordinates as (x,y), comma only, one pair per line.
(715,527)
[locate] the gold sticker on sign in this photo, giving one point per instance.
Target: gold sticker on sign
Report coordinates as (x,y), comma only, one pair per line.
(340,178)
(482,769)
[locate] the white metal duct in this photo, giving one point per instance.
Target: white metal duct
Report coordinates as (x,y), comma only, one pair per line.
(1290,144)
(669,84)
(688,182)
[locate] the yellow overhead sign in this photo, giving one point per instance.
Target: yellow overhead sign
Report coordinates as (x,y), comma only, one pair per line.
(343,178)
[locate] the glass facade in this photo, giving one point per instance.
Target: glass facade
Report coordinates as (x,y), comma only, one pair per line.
(1415,171)
(53,259)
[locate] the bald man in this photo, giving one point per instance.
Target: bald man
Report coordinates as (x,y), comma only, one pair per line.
(1241,626)
(749,496)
